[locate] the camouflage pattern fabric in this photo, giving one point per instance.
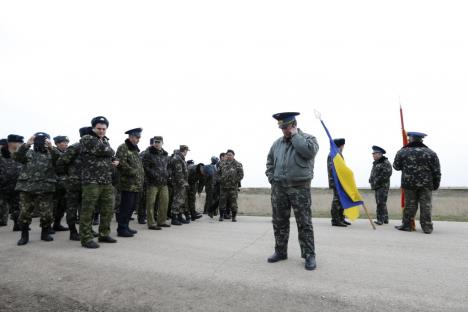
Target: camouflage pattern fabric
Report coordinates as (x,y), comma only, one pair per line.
(96,156)
(381,196)
(423,198)
(73,205)
(228,201)
(230,173)
(130,169)
(380,174)
(9,198)
(336,211)
(178,169)
(299,199)
(42,202)
(179,199)
(155,163)
(70,163)
(9,204)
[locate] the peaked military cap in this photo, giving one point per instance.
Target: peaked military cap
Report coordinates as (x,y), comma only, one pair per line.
(60,139)
(135,132)
(378,149)
(158,138)
(183,148)
(285,119)
(84,130)
(190,162)
(339,141)
(14,138)
(3,141)
(99,120)
(416,134)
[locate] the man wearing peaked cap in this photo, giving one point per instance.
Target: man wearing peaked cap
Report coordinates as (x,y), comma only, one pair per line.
(60,205)
(420,175)
(290,169)
(380,183)
(130,182)
(336,211)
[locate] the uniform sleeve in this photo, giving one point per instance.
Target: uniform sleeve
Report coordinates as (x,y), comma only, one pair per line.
(331,180)
(270,165)
(397,164)
(21,155)
(436,172)
(148,165)
(96,147)
(306,146)
(240,171)
(124,165)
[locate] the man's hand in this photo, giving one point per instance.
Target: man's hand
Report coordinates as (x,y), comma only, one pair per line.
(31,140)
(48,143)
(115,163)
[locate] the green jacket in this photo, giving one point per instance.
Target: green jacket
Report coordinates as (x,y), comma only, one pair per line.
(70,164)
(230,174)
(130,170)
(291,161)
(96,156)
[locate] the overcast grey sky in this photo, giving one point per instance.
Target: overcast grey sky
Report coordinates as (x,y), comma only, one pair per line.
(210,74)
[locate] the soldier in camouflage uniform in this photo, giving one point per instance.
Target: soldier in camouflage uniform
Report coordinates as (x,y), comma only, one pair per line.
(9,171)
(230,174)
(337,211)
(155,163)
(380,183)
(96,178)
(290,169)
(36,184)
(210,184)
(196,181)
(179,182)
(420,175)
(60,199)
(131,177)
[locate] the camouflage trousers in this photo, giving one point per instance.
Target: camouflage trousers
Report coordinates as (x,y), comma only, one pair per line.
(336,208)
(381,195)
(60,203)
(299,199)
(9,204)
(73,205)
(179,199)
(228,201)
(161,194)
(93,196)
(423,198)
(43,202)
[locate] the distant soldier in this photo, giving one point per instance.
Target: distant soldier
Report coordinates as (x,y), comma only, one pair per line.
(420,175)
(9,171)
(96,178)
(141,211)
(196,181)
(380,183)
(230,173)
(60,199)
(3,142)
(290,169)
(210,184)
(179,180)
(36,184)
(337,211)
(155,164)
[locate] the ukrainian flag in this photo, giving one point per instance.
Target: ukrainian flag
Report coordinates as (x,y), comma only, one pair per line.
(345,184)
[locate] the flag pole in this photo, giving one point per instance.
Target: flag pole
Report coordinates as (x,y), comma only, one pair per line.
(367,214)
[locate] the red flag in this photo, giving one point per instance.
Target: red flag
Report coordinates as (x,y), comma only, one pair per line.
(405,141)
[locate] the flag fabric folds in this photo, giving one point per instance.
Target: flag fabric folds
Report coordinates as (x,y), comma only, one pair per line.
(345,184)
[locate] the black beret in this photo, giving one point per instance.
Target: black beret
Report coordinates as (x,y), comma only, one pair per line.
(14,138)
(99,120)
(3,142)
(190,162)
(60,139)
(135,132)
(378,149)
(339,142)
(85,130)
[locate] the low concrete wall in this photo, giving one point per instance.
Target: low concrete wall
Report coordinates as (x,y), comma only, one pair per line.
(448,203)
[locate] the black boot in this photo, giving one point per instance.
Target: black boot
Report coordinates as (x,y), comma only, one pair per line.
(195,215)
(310,263)
(122,231)
(404,227)
(221,216)
(277,257)
(234,215)
(141,220)
(338,223)
(378,222)
(24,237)
(58,227)
(182,220)
(188,217)
(16,227)
(175,220)
(74,236)
(45,235)
(96,219)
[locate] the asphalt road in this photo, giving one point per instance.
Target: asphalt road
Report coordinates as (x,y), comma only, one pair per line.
(221,266)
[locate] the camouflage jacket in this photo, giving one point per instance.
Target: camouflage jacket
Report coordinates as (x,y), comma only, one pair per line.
(70,164)
(380,174)
(291,160)
(230,174)
(419,165)
(96,155)
(9,171)
(178,170)
(38,173)
(331,180)
(130,171)
(61,175)
(155,163)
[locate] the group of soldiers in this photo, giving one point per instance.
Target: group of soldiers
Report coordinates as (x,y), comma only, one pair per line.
(90,182)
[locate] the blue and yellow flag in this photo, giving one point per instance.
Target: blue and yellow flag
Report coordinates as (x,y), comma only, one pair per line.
(345,184)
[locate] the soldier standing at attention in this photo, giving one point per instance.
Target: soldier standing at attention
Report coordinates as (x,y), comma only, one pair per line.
(420,175)
(60,204)
(179,180)
(36,184)
(380,183)
(96,178)
(130,182)
(230,173)
(337,211)
(290,169)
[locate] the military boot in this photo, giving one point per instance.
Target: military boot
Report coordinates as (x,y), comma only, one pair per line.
(188,218)
(181,219)
(310,263)
(122,231)
(338,223)
(221,216)
(234,214)
(16,227)
(59,228)
(404,227)
(90,244)
(96,219)
(175,220)
(131,230)
(45,235)
(277,257)
(74,236)
(378,222)
(195,215)
(24,237)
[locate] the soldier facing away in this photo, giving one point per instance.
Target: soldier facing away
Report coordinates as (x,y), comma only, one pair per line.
(380,183)
(60,199)
(290,169)
(420,175)
(336,211)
